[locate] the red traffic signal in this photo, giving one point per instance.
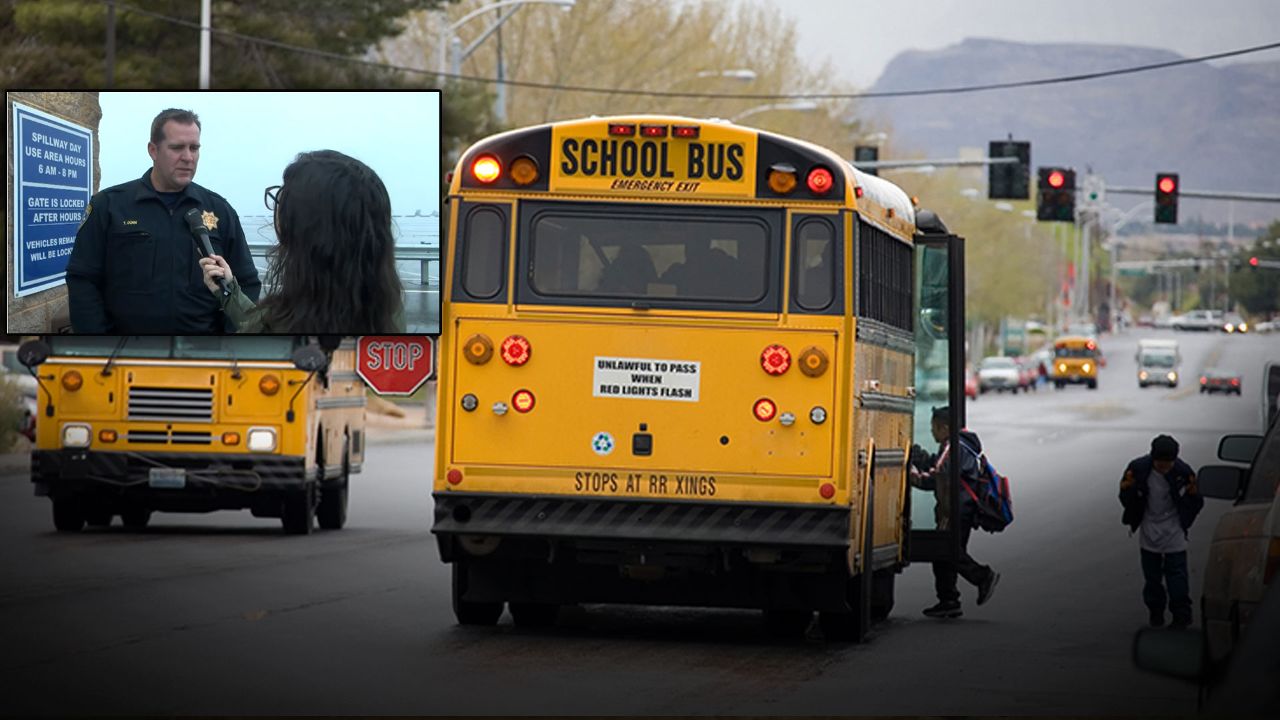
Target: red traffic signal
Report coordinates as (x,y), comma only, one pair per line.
(1168,184)
(1167,198)
(1056,179)
(1253,261)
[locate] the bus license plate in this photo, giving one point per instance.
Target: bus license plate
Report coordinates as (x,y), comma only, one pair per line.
(175,478)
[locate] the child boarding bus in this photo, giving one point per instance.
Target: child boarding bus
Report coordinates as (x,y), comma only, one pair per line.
(131,425)
(677,367)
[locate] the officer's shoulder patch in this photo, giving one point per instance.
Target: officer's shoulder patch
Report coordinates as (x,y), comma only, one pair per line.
(88,208)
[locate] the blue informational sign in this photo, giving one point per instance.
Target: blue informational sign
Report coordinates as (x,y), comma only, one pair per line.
(52,183)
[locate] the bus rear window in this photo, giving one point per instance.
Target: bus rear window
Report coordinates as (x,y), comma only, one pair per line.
(642,256)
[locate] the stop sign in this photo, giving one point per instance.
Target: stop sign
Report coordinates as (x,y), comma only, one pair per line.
(395,364)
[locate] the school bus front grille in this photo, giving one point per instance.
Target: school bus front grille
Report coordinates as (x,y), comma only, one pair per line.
(177,437)
(171,404)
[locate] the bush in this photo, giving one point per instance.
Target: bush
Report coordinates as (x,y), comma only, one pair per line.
(12,412)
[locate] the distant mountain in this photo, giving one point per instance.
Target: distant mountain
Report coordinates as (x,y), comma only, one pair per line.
(1218,127)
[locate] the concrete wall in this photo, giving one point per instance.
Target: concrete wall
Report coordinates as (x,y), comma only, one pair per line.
(45,311)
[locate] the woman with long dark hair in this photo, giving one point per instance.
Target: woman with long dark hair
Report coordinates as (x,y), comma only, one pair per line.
(333,269)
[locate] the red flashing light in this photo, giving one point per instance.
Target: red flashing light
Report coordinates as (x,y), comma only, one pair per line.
(858,191)
(1056,179)
(653,130)
(486,168)
(764,409)
(523,401)
(1167,184)
(775,359)
(516,350)
(623,129)
(820,181)
(1091,345)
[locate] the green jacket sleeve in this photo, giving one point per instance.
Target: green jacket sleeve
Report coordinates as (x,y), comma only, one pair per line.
(240,310)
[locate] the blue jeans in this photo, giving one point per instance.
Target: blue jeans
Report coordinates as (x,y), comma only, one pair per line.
(1161,570)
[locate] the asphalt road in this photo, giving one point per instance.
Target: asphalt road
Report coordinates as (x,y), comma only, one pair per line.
(222,614)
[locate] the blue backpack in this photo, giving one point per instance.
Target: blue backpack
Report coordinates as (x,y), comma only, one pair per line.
(992,498)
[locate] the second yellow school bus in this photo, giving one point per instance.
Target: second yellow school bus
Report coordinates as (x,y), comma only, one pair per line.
(678,366)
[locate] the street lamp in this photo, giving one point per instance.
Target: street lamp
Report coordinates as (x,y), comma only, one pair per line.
(450,45)
(797,106)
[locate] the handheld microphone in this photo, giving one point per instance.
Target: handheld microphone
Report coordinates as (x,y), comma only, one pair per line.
(200,234)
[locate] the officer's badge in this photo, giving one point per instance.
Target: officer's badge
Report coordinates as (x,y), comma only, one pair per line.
(210,220)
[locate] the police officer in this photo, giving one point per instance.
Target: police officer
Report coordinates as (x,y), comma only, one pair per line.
(134,267)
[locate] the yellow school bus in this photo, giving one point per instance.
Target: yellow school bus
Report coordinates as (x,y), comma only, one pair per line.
(135,424)
(1075,361)
(678,366)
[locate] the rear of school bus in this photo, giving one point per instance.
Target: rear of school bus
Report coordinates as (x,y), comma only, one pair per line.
(646,370)
(130,426)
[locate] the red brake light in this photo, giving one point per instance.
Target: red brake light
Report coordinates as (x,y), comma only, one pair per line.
(1167,185)
(827,491)
(819,181)
(1056,179)
(516,350)
(1203,380)
(454,476)
(486,168)
(623,129)
(1235,381)
(523,401)
(775,359)
(764,409)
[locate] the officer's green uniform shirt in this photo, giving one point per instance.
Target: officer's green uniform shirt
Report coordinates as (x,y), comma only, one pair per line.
(134,267)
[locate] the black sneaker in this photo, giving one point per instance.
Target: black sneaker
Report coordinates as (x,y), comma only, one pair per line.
(1157,618)
(944,610)
(986,589)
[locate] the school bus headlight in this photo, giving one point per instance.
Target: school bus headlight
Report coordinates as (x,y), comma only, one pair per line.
(72,380)
(269,384)
(775,360)
(820,181)
(261,440)
(818,415)
(1062,367)
(813,361)
(230,438)
(524,170)
(764,409)
(76,435)
(516,350)
(107,436)
(470,402)
(478,349)
(1087,367)
(782,178)
(486,169)
(523,401)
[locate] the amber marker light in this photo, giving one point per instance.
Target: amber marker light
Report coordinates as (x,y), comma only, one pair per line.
(813,362)
(486,169)
(72,380)
(516,350)
(230,438)
(524,170)
(478,349)
(775,360)
(269,385)
(764,409)
(107,436)
(523,401)
(782,178)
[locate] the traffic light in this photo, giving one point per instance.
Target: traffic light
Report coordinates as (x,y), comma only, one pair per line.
(1012,181)
(1057,199)
(1167,198)
(1253,262)
(866,153)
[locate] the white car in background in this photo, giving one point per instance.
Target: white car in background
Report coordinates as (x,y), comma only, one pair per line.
(1199,320)
(999,374)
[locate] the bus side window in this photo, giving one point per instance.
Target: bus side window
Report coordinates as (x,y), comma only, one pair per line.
(813,248)
(484,253)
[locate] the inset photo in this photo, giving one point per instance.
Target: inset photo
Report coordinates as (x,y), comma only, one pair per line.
(202,213)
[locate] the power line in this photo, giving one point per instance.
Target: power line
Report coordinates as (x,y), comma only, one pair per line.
(707,96)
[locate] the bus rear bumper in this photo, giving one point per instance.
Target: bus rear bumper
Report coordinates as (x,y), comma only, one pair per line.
(188,482)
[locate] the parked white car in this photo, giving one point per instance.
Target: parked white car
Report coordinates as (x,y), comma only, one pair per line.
(999,374)
(1199,320)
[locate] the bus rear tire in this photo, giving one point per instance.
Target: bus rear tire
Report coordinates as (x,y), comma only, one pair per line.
(68,516)
(469,612)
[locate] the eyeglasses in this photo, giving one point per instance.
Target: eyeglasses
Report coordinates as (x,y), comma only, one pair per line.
(269,197)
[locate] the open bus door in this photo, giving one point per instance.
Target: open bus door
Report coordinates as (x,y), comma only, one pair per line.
(939,381)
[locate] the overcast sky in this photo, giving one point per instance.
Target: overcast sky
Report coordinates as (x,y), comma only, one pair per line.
(860,37)
(247,139)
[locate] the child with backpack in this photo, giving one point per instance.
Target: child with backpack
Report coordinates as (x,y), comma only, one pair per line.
(977,509)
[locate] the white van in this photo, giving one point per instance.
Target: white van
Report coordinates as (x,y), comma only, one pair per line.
(1158,362)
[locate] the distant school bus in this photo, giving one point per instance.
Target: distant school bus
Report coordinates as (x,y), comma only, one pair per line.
(678,365)
(131,425)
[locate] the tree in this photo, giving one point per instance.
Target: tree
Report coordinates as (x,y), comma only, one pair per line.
(60,43)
